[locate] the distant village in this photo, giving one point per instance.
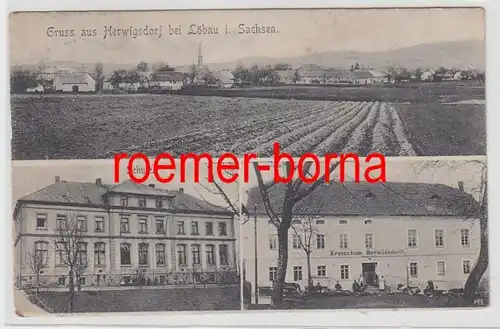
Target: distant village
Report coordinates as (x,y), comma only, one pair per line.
(167,78)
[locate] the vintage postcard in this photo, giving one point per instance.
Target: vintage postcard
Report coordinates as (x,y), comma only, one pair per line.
(86,85)
(84,243)
(418,240)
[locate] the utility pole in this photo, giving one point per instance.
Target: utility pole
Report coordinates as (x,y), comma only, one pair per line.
(255,254)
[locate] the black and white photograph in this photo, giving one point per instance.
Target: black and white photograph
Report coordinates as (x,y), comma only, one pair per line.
(418,240)
(403,82)
(85,244)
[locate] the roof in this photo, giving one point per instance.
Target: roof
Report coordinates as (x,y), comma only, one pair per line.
(377,74)
(390,199)
(362,74)
(167,76)
(224,76)
(84,193)
(289,74)
(74,78)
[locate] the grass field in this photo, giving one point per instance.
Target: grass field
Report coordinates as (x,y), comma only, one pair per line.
(145,300)
(98,126)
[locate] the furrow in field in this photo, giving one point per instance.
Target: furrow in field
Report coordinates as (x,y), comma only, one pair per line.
(384,141)
(290,125)
(360,140)
(292,139)
(406,149)
(226,141)
(314,137)
(341,133)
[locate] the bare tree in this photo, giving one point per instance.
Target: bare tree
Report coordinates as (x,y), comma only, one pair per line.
(37,260)
(304,231)
(98,76)
(478,212)
(294,192)
(71,250)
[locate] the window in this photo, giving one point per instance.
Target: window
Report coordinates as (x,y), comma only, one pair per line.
(344,241)
(41,254)
(222,229)
(344,272)
(195,251)
(210,254)
(61,281)
(81,223)
(272,273)
(61,222)
(160,254)
(142,201)
(320,221)
(143,225)
(441,269)
(143,254)
(320,241)
(223,254)
(83,281)
(160,225)
(99,224)
(124,227)
(41,221)
(368,240)
(181,254)
(209,228)
(124,201)
(159,203)
(412,238)
(295,242)
(413,270)
(297,273)
(194,228)
(368,221)
(342,222)
(61,257)
(439,238)
(99,254)
(125,254)
(465,237)
(81,252)
(321,270)
(273,243)
(466,266)
(180,227)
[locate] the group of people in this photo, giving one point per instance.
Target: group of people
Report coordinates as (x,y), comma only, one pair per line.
(360,285)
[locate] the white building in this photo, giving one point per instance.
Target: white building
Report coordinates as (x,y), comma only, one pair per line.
(405,232)
(427,75)
(167,80)
(73,82)
(223,79)
(168,236)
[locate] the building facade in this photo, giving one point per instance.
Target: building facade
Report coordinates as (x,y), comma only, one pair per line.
(124,232)
(429,236)
(73,82)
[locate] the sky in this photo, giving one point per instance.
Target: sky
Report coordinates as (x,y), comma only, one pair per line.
(299,32)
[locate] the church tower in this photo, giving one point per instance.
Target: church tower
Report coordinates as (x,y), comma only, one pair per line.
(200,57)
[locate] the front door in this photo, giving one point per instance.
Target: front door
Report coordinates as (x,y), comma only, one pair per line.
(75,89)
(369,271)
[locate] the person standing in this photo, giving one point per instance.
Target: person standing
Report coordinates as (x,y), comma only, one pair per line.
(381,284)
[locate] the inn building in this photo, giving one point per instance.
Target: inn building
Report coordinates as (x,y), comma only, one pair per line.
(408,233)
(124,231)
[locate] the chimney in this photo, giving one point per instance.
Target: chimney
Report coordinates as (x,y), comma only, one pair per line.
(461,186)
(58,179)
(98,181)
(181,190)
(151,185)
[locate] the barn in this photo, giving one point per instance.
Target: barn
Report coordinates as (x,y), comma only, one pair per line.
(167,80)
(73,82)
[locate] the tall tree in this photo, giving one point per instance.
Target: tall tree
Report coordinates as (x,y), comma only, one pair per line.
(71,250)
(98,76)
(37,261)
(142,67)
(304,230)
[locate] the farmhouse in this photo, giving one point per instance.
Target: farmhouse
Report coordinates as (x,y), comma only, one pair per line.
(167,80)
(432,236)
(73,82)
(223,79)
(286,77)
(428,75)
(167,236)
